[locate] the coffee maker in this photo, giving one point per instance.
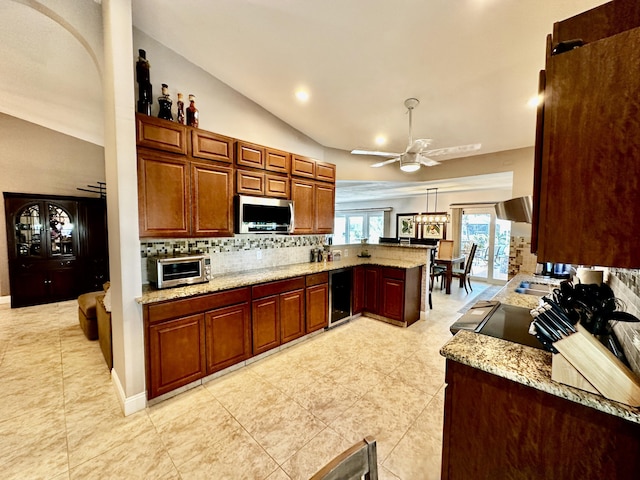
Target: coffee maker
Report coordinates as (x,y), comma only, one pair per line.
(554,270)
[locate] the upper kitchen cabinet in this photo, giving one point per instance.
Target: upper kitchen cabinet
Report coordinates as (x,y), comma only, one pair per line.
(310,168)
(211,146)
(277,161)
(586,193)
(160,134)
(211,200)
(250,155)
(314,206)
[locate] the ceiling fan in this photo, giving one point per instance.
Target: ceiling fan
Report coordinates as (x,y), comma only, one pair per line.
(416,153)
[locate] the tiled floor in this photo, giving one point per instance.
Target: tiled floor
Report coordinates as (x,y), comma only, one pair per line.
(280,418)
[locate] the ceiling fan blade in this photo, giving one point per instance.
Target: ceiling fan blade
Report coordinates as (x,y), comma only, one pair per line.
(428,162)
(448,150)
(373,152)
(387,162)
(418,145)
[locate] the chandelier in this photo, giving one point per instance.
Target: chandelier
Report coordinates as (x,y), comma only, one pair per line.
(431,217)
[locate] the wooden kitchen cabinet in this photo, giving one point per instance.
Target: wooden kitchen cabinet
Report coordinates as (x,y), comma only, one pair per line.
(303,166)
(211,146)
(392,293)
(211,200)
(277,313)
(250,182)
(160,134)
(358,289)
(277,186)
(292,315)
(176,353)
(163,194)
(371,288)
(314,206)
(497,428)
(228,336)
(188,338)
(277,161)
(250,155)
(317,302)
(588,142)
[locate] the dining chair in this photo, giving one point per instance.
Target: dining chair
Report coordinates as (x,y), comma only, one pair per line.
(465,274)
(445,249)
(435,271)
(352,464)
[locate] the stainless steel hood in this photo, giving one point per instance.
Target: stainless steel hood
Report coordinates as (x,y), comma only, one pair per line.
(517,209)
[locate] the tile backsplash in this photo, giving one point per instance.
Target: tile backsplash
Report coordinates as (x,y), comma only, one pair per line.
(234,254)
(626,287)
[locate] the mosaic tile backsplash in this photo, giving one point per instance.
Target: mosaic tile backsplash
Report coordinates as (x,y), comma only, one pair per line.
(234,254)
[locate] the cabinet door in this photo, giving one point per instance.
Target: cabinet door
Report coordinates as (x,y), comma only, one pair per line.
(228,339)
(277,161)
(303,166)
(276,186)
(163,194)
(265,324)
(29,284)
(291,315)
(591,155)
(249,155)
(160,134)
(317,307)
(212,199)
(211,146)
(324,208)
(358,289)
(371,289)
(176,353)
(325,172)
(392,293)
(250,183)
(302,194)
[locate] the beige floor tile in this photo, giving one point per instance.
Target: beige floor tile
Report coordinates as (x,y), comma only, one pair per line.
(239,457)
(144,458)
(385,474)
(416,456)
(356,376)
(420,375)
(325,398)
(400,395)
(279,474)
(314,455)
(168,410)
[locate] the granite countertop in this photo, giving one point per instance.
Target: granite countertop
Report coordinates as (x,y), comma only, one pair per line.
(520,363)
(253,277)
(509,296)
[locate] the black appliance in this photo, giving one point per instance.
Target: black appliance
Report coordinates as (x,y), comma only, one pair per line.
(500,321)
(339,296)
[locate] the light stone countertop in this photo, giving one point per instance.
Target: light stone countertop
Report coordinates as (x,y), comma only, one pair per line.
(256,276)
(523,364)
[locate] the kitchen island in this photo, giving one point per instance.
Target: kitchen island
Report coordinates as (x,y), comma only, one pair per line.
(506,418)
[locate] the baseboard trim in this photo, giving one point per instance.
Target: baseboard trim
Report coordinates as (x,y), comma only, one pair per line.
(129,405)
(6,299)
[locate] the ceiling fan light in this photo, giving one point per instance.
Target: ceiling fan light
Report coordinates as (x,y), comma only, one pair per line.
(409,162)
(410,167)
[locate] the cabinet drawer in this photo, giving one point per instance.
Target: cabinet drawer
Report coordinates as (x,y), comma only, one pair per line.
(211,146)
(325,172)
(274,288)
(397,273)
(250,155)
(303,166)
(277,161)
(317,279)
(250,183)
(158,312)
(160,134)
(276,186)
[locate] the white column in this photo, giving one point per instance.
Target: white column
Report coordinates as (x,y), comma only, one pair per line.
(128,372)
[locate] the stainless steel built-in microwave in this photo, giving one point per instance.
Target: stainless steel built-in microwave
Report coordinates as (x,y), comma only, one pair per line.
(175,271)
(263,215)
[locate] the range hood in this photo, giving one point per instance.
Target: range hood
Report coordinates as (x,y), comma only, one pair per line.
(517,209)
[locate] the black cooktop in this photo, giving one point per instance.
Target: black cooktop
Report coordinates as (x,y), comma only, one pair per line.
(498,320)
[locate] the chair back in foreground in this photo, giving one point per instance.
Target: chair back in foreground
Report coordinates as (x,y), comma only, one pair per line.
(445,249)
(352,464)
(465,275)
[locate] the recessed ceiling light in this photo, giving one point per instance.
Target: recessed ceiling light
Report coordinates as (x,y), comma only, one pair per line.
(535,101)
(381,140)
(302,95)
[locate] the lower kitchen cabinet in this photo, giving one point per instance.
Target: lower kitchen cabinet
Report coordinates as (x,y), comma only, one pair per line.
(497,428)
(371,289)
(291,315)
(392,298)
(228,336)
(317,302)
(176,354)
(358,289)
(265,318)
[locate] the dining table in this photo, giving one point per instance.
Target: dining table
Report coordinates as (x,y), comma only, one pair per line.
(448,263)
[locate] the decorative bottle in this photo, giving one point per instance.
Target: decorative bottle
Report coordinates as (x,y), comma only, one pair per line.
(145,90)
(165,103)
(192,112)
(180,105)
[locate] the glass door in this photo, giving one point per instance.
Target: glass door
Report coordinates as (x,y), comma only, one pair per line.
(492,237)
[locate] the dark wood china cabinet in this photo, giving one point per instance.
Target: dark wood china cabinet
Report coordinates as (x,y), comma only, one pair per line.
(57,247)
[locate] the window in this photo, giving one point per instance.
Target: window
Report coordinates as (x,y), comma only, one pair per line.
(351,227)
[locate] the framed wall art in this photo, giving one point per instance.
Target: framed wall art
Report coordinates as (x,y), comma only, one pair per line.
(405,226)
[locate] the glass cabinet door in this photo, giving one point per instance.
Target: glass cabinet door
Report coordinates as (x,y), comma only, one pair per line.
(28,232)
(61,230)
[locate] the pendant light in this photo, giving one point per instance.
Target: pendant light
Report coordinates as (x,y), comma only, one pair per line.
(435,217)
